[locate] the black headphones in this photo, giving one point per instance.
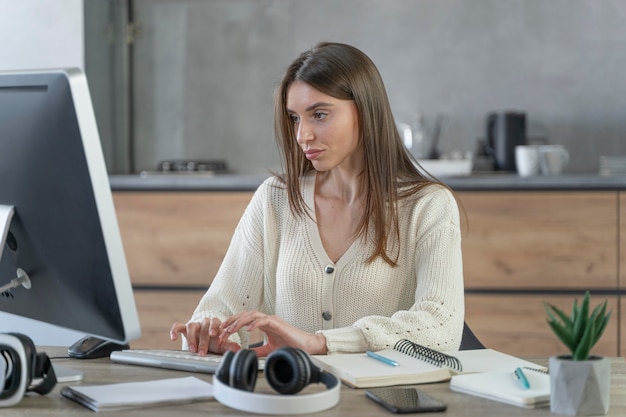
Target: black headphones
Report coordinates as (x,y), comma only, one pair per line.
(20,364)
(287,370)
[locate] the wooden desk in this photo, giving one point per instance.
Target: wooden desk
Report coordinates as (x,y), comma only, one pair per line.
(353,401)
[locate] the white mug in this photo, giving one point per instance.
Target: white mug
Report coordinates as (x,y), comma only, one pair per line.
(527,160)
(552,159)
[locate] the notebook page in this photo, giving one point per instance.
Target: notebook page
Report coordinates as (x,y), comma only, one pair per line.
(485,360)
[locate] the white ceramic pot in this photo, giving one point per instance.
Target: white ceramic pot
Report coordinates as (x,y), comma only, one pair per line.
(579,388)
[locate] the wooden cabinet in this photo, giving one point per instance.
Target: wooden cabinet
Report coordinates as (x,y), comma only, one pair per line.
(533,240)
(622,271)
(523,248)
(158,310)
(177,238)
(516,323)
(174,244)
(519,249)
(622,241)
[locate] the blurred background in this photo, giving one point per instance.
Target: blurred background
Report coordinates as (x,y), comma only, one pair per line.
(194,79)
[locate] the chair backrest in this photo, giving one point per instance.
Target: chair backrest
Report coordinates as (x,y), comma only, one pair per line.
(469,340)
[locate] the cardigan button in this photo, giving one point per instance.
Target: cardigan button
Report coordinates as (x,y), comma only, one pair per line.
(329,269)
(326,315)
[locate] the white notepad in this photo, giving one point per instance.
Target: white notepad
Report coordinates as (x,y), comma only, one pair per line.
(140,394)
(504,387)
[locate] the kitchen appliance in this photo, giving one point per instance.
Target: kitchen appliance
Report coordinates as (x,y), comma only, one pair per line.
(505,131)
(190,167)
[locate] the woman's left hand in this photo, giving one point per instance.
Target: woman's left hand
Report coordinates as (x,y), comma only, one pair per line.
(278,333)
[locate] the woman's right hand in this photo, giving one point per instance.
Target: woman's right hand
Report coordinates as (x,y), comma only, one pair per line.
(203,337)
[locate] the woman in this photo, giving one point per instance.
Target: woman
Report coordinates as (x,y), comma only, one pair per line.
(352,248)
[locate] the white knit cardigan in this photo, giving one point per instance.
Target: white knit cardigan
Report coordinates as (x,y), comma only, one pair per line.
(276,264)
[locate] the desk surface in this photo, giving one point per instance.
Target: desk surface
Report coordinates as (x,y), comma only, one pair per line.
(353,401)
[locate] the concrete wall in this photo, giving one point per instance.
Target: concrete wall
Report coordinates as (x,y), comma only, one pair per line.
(205,70)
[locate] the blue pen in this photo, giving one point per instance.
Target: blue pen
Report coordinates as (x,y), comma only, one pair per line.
(382,358)
(522,378)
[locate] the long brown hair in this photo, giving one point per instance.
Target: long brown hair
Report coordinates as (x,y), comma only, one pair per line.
(346,73)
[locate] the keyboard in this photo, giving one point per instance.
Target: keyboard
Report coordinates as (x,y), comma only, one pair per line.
(181,360)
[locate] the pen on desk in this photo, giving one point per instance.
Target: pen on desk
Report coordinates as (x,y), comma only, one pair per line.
(522,378)
(382,358)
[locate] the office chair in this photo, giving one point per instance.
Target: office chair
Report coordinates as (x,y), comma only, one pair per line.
(469,340)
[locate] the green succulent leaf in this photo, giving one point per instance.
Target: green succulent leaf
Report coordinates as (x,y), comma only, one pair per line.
(582,349)
(552,310)
(580,322)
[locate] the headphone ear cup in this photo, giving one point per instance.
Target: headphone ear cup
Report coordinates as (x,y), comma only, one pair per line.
(16,376)
(30,351)
(39,366)
(10,379)
(243,370)
(289,370)
(29,345)
(222,372)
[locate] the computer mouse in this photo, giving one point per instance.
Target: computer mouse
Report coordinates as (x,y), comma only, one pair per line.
(91,347)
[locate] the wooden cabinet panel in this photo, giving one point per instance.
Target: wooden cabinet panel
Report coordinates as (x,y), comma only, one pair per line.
(622,241)
(158,310)
(177,238)
(516,324)
(622,271)
(540,239)
(621,318)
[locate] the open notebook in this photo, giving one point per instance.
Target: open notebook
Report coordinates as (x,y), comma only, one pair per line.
(416,365)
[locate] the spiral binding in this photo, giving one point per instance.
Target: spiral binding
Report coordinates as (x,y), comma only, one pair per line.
(541,371)
(428,355)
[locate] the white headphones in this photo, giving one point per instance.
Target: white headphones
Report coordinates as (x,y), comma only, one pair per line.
(287,371)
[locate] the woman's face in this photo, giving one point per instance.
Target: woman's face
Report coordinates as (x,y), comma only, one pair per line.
(326,128)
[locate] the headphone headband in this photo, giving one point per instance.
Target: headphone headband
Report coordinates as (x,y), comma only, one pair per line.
(278,404)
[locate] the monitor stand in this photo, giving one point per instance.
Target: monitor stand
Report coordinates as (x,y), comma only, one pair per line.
(6,214)
(63,373)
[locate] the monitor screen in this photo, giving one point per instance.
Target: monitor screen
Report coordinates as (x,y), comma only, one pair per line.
(59,230)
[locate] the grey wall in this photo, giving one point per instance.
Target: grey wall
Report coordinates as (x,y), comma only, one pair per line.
(107,67)
(205,70)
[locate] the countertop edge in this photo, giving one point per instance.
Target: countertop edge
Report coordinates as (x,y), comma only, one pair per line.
(482,182)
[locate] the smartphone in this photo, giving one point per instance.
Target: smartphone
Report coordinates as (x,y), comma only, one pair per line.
(405,400)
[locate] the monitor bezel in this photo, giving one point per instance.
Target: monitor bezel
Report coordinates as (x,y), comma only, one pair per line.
(102,196)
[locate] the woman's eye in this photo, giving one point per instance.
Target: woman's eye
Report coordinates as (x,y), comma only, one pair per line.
(294,119)
(319,115)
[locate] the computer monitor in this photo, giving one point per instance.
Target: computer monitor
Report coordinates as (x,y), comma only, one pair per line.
(58,227)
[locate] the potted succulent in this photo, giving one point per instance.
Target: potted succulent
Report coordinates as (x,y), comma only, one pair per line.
(579,382)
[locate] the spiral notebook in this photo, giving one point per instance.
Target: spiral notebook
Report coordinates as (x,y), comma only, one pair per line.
(416,365)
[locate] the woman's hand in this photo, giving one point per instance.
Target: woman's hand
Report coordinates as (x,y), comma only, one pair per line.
(203,337)
(277,331)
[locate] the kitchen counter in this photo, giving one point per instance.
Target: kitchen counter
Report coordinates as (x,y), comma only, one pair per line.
(478,182)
